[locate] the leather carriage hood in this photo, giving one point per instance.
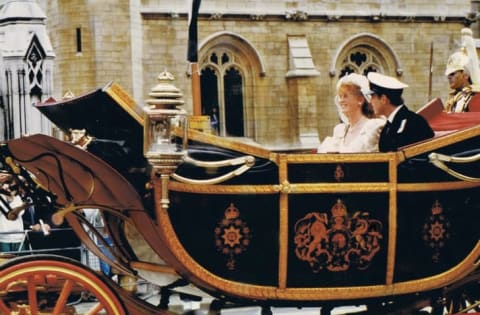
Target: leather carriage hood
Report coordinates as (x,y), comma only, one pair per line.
(74,176)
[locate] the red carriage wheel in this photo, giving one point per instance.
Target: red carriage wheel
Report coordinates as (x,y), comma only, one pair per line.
(49,284)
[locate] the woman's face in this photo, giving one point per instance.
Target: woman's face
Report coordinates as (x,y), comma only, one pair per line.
(350,99)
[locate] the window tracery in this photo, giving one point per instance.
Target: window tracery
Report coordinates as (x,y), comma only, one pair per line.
(222,85)
(360,60)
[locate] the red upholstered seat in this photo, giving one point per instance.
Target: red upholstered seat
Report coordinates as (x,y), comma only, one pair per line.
(474,105)
(443,123)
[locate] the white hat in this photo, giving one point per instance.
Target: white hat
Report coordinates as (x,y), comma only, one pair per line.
(381,84)
(457,61)
(356,79)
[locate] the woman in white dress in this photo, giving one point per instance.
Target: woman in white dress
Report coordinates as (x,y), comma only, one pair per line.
(359,131)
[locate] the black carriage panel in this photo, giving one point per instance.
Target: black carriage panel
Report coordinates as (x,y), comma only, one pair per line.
(419,169)
(338,172)
(337,240)
(436,231)
(60,241)
(233,236)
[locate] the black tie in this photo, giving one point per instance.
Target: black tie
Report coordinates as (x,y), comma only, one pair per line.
(384,138)
(387,126)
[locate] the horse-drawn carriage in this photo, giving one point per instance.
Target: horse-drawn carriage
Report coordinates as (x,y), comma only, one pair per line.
(246,225)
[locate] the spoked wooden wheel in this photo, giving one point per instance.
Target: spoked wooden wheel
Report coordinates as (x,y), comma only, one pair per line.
(48,284)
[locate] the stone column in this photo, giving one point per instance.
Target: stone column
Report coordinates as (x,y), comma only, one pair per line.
(302,100)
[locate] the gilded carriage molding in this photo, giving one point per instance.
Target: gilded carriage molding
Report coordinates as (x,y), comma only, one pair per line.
(232,144)
(440,186)
(223,189)
(440,141)
(283,224)
(392,218)
(338,158)
(125,101)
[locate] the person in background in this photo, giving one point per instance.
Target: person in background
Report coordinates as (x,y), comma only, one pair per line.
(12,233)
(359,131)
(461,97)
(214,123)
(463,73)
(403,126)
(33,221)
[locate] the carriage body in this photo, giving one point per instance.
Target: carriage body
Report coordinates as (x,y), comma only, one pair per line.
(293,228)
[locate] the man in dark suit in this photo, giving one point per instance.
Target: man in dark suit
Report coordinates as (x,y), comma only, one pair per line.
(403,126)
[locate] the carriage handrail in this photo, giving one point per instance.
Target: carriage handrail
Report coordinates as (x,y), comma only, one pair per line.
(245,162)
(438,160)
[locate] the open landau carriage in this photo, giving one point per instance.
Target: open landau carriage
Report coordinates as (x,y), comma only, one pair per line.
(395,231)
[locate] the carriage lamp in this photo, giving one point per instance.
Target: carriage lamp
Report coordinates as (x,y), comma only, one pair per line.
(160,132)
(164,124)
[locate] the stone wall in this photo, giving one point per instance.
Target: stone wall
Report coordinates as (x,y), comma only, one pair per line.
(131,42)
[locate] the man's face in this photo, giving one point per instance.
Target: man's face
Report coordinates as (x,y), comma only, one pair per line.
(457,80)
(378,104)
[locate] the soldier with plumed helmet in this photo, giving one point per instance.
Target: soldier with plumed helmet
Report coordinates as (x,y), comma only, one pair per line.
(463,77)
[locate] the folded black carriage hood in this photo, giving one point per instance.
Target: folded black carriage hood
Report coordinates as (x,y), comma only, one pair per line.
(115,122)
(106,113)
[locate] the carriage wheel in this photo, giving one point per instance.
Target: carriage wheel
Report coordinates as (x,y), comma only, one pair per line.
(48,284)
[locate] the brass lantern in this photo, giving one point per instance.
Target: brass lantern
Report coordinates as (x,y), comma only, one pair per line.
(164,124)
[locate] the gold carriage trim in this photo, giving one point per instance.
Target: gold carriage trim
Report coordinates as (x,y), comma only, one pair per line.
(232,144)
(435,143)
(223,189)
(337,158)
(125,101)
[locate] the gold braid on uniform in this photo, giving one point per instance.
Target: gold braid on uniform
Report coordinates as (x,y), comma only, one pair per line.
(454,96)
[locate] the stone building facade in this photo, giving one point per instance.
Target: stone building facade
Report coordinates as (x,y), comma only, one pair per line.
(26,68)
(269,66)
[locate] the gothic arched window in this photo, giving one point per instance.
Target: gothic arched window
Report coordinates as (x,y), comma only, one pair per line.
(365,53)
(230,65)
(359,60)
(222,87)
(34,58)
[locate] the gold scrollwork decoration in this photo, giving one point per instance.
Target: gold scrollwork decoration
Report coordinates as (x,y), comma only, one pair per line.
(232,235)
(436,230)
(339,242)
